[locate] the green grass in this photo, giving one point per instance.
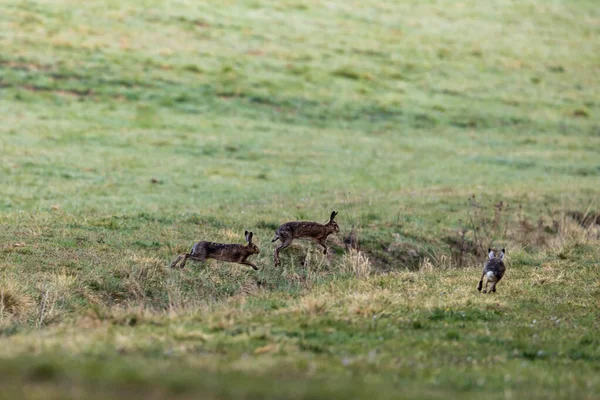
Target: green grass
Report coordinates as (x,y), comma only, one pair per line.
(130,130)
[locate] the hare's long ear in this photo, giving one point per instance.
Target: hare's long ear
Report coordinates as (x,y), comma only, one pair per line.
(250,234)
(246,236)
(491,254)
(502,254)
(333,214)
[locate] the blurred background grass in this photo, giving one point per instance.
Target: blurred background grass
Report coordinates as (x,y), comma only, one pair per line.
(268,104)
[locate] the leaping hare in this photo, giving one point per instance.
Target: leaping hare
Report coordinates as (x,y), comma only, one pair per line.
(236,253)
(305,230)
(493,271)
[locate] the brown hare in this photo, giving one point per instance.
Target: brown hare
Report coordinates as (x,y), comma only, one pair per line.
(493,271)
(236,253)
(304,230)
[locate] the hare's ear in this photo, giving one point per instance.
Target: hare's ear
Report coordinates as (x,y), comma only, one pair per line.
(333,214)
(502,254)
(250,237)
(246,236)
(491,254)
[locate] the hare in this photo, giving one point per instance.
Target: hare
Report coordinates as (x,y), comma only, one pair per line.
(236,253)
(306,230)
(493,270)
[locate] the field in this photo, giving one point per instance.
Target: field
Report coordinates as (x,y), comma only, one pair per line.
(437,129)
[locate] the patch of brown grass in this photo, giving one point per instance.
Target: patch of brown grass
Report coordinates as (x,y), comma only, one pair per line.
(356,263)
(14,301)
(312,304)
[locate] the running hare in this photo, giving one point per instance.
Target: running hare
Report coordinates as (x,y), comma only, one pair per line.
(304,230)
(236,253)
(493,270)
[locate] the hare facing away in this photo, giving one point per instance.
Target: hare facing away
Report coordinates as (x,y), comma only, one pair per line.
(304,230)
(235,253)
(493,271)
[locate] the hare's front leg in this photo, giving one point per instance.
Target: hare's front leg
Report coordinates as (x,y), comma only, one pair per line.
(250,264)
(493,288)
(243,260)
(321,242)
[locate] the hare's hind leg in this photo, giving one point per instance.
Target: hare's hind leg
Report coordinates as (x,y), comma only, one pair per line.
(284,243)
(185,258)
(493,289)
(197,254)
(174,263)
(193,258)
(487,281)
(480,285)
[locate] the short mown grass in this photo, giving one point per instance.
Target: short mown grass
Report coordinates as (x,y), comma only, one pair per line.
(130,130)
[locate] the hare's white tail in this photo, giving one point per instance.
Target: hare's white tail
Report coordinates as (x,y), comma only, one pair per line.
(276,238)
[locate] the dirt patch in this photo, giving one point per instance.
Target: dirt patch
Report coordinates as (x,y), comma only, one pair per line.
(488,225)
(586,219)
(384,256)
(463,251)
(394,256)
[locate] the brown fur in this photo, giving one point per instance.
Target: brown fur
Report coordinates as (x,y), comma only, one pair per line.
(235,253)
(304,230)
(496,266)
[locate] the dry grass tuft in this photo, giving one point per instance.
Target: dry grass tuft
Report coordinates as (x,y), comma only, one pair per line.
(570,231)
(356,263)
(182,334)
(435,263)
(224,321)
(312,305)
(270,348)
(232,236)
(56,292)
(14,301)
(369,303)
(148,262)
(426,265)
(248,287)
(90,320)
(548,273)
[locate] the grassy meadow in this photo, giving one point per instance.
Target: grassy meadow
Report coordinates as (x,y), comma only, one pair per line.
(131,129)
